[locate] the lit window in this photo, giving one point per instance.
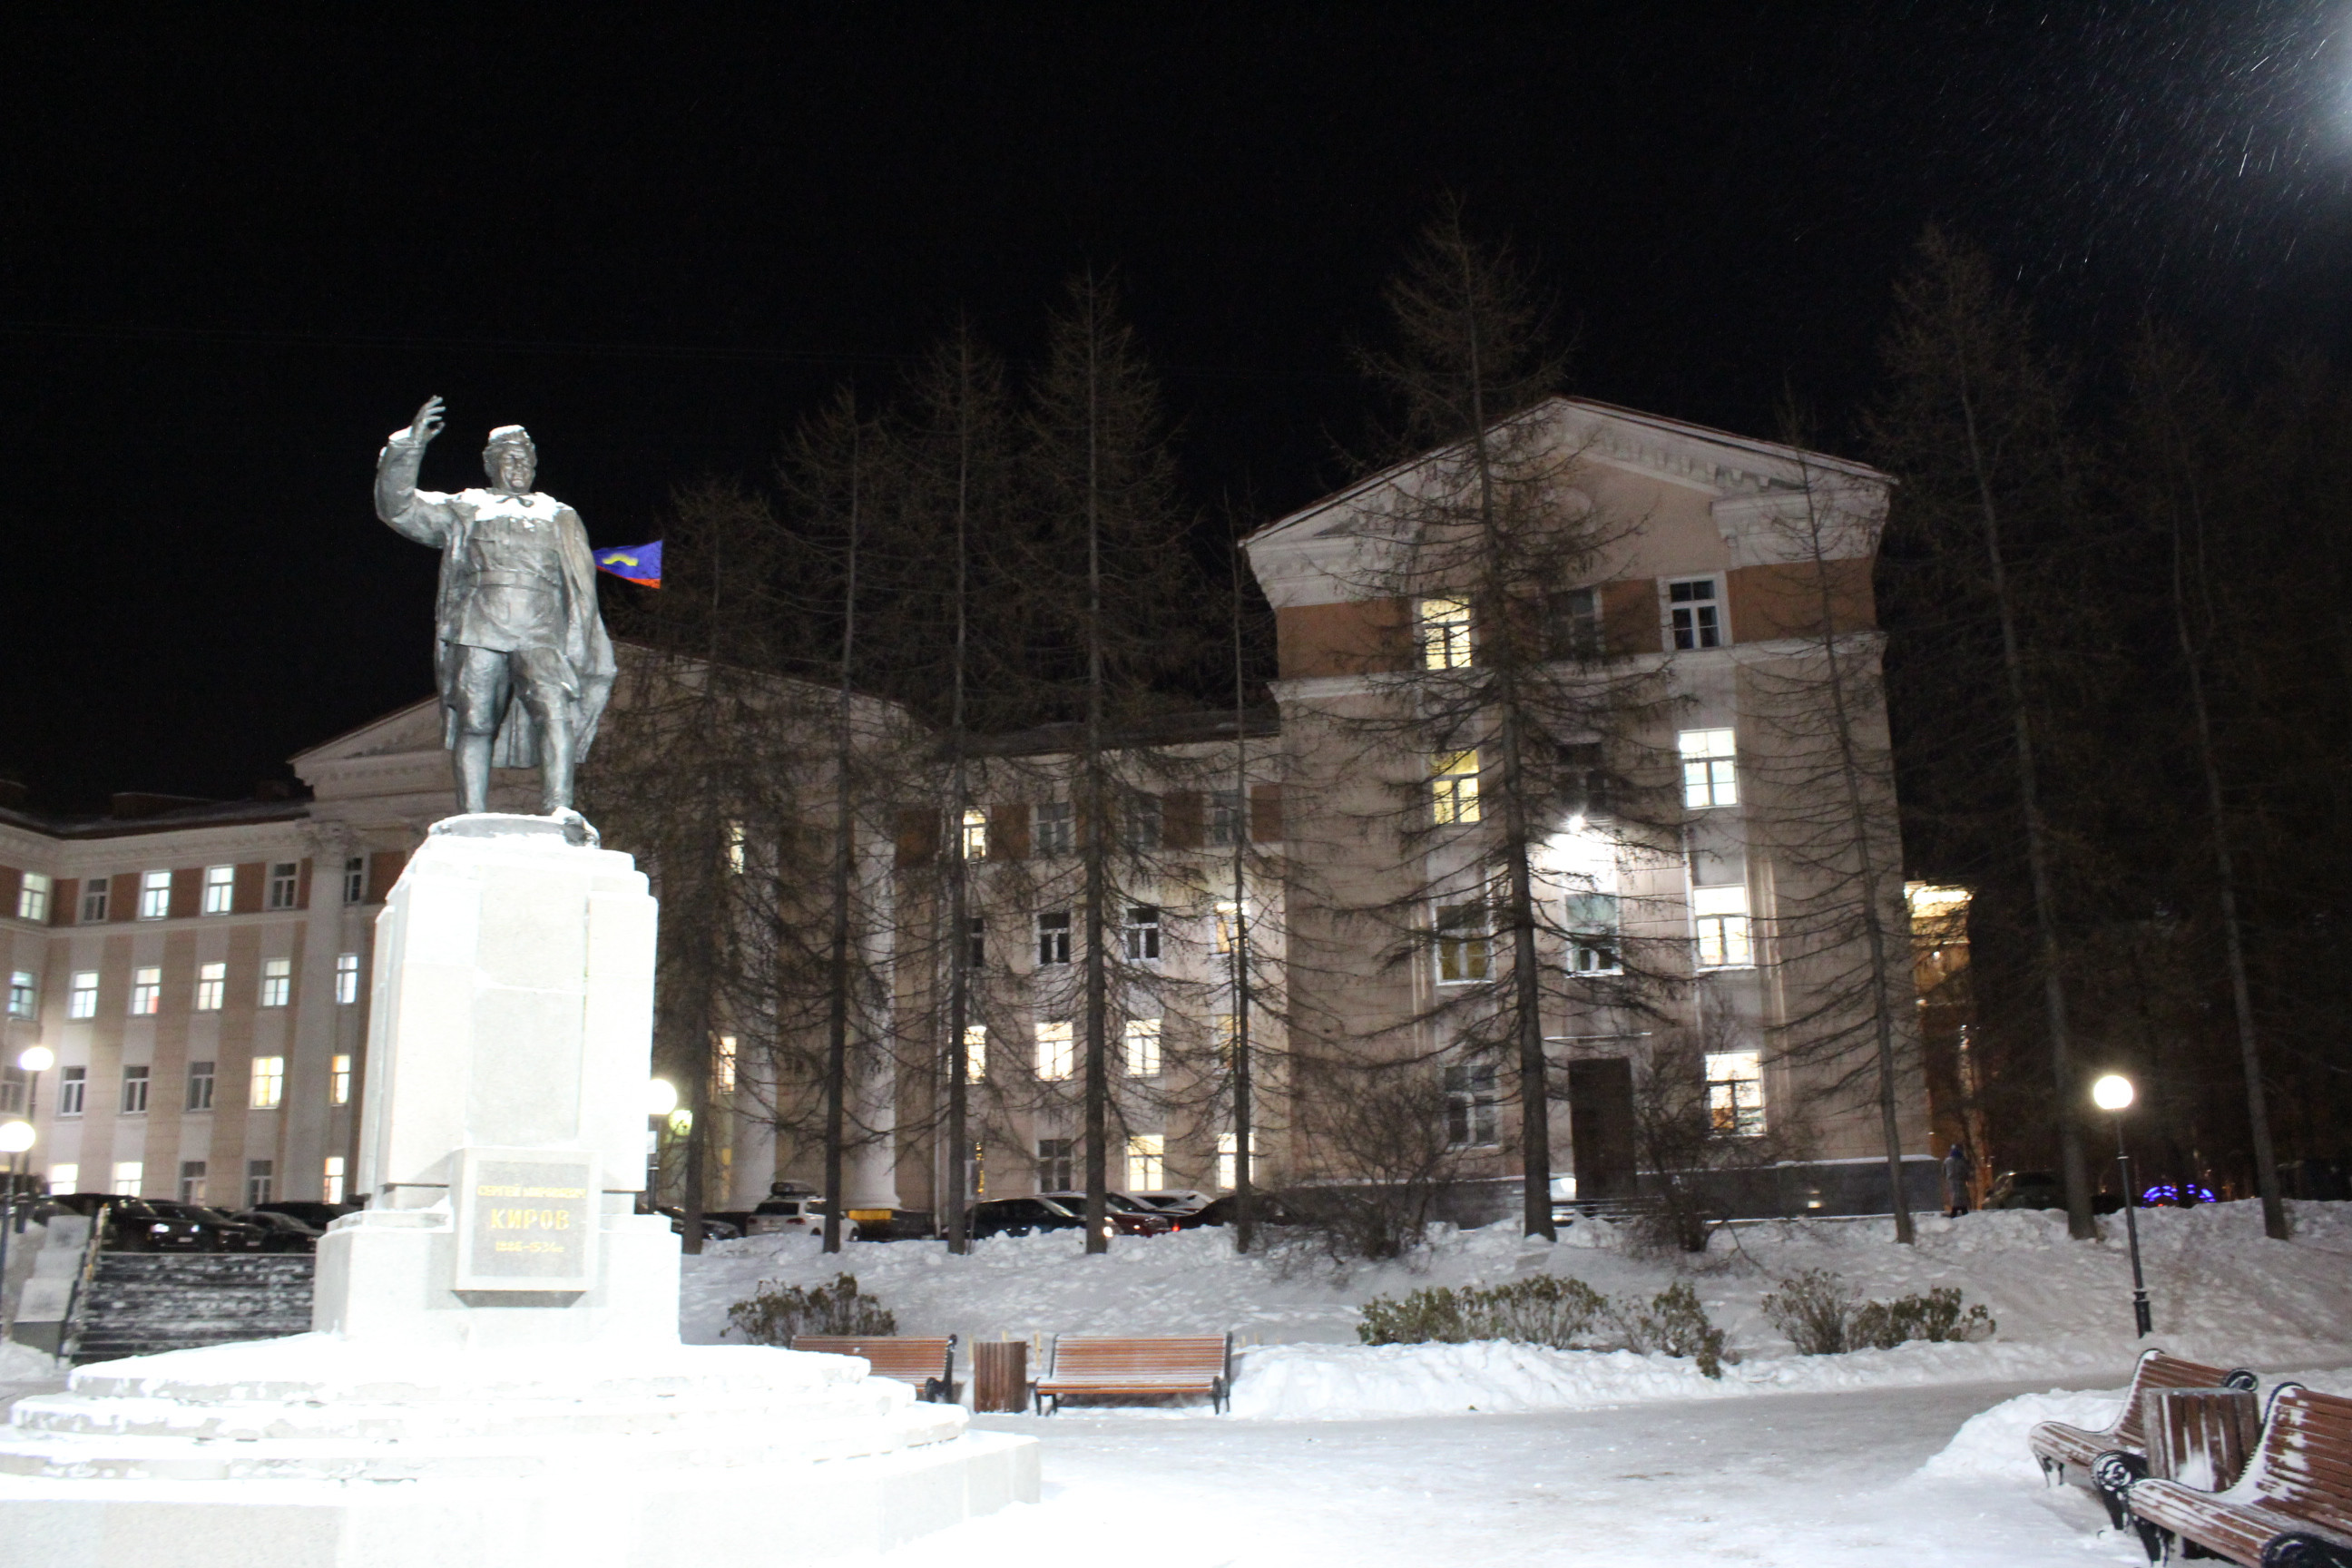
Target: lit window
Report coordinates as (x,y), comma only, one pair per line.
(284,881)
(1592,934)
(1453,787)
(355,879)
(1053,1050)
(1053,938)
(65,1178)
(1147,1161)
(258,1182)
(1466,949)
(33,897)
(23,994)
(1143,1048)
(128,1175)
(220,889)
(1444,634)
(1710,768)
(1735,1093)
(975,834)
(734,831)
(94,901)
(347,978)
(134,1091)
(1720,916)
(722,1074)
(1471,1116)
(146,992)
(1227,913)
(154,895)
(192,1181)
(1692,607)
(1056,827)
(276,982)
(81,998)
(1229,1146)
(1143,934)
(1057,1165)
(975,1052)
(330,1179)
(72,1083)
(212,986)
(338,1081)
(268,1083)
(199,1086)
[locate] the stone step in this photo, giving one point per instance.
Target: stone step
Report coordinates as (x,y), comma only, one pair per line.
(146,1303)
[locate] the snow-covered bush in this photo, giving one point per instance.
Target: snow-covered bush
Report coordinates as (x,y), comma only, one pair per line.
(1936,1316)
(1541,1310)
(1551,1311)
(1812,1307)
(772,1314)
(1823,1315)
(1675,1322)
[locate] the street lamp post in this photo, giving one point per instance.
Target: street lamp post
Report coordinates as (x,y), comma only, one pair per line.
(2113,1094)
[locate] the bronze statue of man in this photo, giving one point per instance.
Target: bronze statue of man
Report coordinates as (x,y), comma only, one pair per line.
(525,666)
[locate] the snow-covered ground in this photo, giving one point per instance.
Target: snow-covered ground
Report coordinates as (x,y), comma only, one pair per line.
(2222,1292)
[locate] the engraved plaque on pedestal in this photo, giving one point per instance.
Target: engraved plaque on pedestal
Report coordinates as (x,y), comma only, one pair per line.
(525,1220)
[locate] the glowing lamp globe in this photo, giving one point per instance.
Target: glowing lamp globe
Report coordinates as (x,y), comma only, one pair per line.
(2113,1092)
(661,1097)
(16,1137)
(36,1058)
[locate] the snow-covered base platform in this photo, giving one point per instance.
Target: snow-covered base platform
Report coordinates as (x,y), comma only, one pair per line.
(317,1452)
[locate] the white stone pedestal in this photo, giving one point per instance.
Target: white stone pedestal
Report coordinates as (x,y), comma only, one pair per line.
(494,1377)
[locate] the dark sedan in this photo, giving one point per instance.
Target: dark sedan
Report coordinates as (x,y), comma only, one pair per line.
(157,1225)
(1129,1217)
(281,1232)
(1019,1216)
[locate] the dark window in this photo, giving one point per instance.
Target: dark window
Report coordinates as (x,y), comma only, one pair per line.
(975,941)
(1143,934)
(284,875)
(1053,938)
(1055,1163)
(1470,1117)
(1143,822)
(199,1086)
(355,879)
(1052,832)
(72,1084)
(1572,624)
(1592,934)
(1225,818)
(135,1091)
(257,1183)
(1694,613)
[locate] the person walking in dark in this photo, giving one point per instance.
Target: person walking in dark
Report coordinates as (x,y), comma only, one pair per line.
(1957,1169)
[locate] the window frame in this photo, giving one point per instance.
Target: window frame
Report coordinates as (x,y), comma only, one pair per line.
(282,885)
(277,982)
(355,879)
(1710,621)
(1470,951)
(1139,1039)
(34,894)
(23,994)
(1453,789)
(1473,1105)
(1054,944)
(97,897)
(212,986)
(1715,924)
(333,1175)
(260,1182)
(220,890)
(81,1000)
(202,1087)
(265,1084)
(147,988)
(972,836)
(1053,829)
(1147,1161)
(73,1090)
(1057,1056)
(1142,933)
(347,979)
(192,1181)
(138,1082)
(975,1053)
(1056,1164)
(1595,932)
(1738,1109)
(339,1079)
(1710,764)
(154,895)
(1442,627)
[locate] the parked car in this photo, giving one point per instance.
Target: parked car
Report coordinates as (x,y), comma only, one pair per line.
(714,1227)
(1129,1215)
(1265,1208)
(801,1214)
(316,1215)
(281,1232)
(1019,1216)
(1177,1205)
(158,1225)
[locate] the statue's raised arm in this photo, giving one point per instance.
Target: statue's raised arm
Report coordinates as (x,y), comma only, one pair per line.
(422,515)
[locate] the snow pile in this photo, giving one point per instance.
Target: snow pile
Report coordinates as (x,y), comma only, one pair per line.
(2222,1292)
(23,1363)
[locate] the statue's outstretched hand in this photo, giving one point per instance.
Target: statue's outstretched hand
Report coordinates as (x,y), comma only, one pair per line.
(427,423)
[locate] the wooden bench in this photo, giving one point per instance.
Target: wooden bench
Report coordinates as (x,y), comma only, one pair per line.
(2106,1462)
(1100,1365)
(2292,1509)
(929,1364)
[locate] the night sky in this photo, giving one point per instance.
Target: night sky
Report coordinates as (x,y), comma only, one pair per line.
(238,247)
